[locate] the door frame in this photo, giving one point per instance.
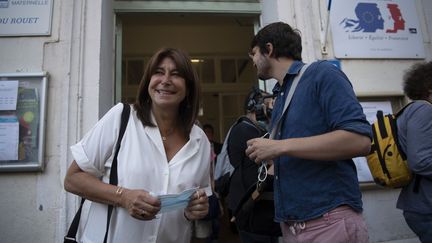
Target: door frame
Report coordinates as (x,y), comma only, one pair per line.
(240,8)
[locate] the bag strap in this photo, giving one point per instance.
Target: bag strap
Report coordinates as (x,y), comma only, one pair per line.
(294,84)
(403,109)
(73,229)
(113,173)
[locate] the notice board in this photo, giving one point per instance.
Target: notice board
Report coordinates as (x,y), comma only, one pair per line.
(22,121)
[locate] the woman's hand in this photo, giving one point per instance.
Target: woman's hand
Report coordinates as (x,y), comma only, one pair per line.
(198,206)
(140,204)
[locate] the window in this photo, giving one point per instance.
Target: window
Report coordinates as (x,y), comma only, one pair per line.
(237,70)
(205,69)
(135,71)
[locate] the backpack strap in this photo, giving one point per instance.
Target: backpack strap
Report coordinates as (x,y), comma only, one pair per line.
(73,229)
(410,103)
(403,108)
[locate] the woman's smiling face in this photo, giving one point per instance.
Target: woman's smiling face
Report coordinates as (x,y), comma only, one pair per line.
(167,88)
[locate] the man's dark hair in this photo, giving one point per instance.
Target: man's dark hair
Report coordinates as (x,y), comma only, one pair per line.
(286,41)
(418,81)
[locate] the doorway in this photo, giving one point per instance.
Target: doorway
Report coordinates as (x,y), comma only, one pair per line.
(218,45)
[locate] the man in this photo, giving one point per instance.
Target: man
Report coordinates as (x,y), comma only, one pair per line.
(415,138)
(254,223)
(317,194)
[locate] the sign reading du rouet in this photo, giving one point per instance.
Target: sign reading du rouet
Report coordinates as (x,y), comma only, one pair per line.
(25,17)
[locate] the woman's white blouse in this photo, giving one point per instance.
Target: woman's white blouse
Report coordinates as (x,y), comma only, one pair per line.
(142,164)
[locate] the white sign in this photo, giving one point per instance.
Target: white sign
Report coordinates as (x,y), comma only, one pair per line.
(370,109)
(9,132)
(8,95)
(363,171)
(376,29)
(25,17)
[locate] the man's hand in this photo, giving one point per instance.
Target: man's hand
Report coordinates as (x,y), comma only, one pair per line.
(262,149)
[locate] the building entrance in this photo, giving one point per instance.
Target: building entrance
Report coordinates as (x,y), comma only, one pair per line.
(218,46)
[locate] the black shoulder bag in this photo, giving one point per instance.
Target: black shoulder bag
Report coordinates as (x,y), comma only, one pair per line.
(71,235)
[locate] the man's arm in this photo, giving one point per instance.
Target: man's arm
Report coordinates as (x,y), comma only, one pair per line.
(336,145)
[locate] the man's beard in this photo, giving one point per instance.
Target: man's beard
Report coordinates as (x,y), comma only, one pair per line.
(264,71)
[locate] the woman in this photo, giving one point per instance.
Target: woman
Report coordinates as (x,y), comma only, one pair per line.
(162,152)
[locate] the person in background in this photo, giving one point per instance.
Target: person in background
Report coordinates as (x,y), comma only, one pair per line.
(252,125)
(317,193)
(215,221)
(209,131)
(415,139)
(162,152)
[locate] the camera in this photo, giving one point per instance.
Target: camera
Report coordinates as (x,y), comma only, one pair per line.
(255,103)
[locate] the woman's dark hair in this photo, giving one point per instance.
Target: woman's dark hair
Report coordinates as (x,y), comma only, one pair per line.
(418,81)
(286,41)
(188,110)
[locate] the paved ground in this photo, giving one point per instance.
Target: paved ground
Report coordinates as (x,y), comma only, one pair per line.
(415,240)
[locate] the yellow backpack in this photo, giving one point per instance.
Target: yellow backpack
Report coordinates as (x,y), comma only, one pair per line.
(387,162)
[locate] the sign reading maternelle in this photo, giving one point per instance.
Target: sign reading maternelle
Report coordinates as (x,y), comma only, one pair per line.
(25,17)
(376,29)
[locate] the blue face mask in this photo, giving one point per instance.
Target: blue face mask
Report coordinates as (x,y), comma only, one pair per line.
(172,202)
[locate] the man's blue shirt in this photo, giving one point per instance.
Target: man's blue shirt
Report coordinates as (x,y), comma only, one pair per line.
(324,101)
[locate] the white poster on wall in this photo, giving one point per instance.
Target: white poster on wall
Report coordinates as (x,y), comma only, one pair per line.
(9,133)
(8,95)
(376,29)
(25,17)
